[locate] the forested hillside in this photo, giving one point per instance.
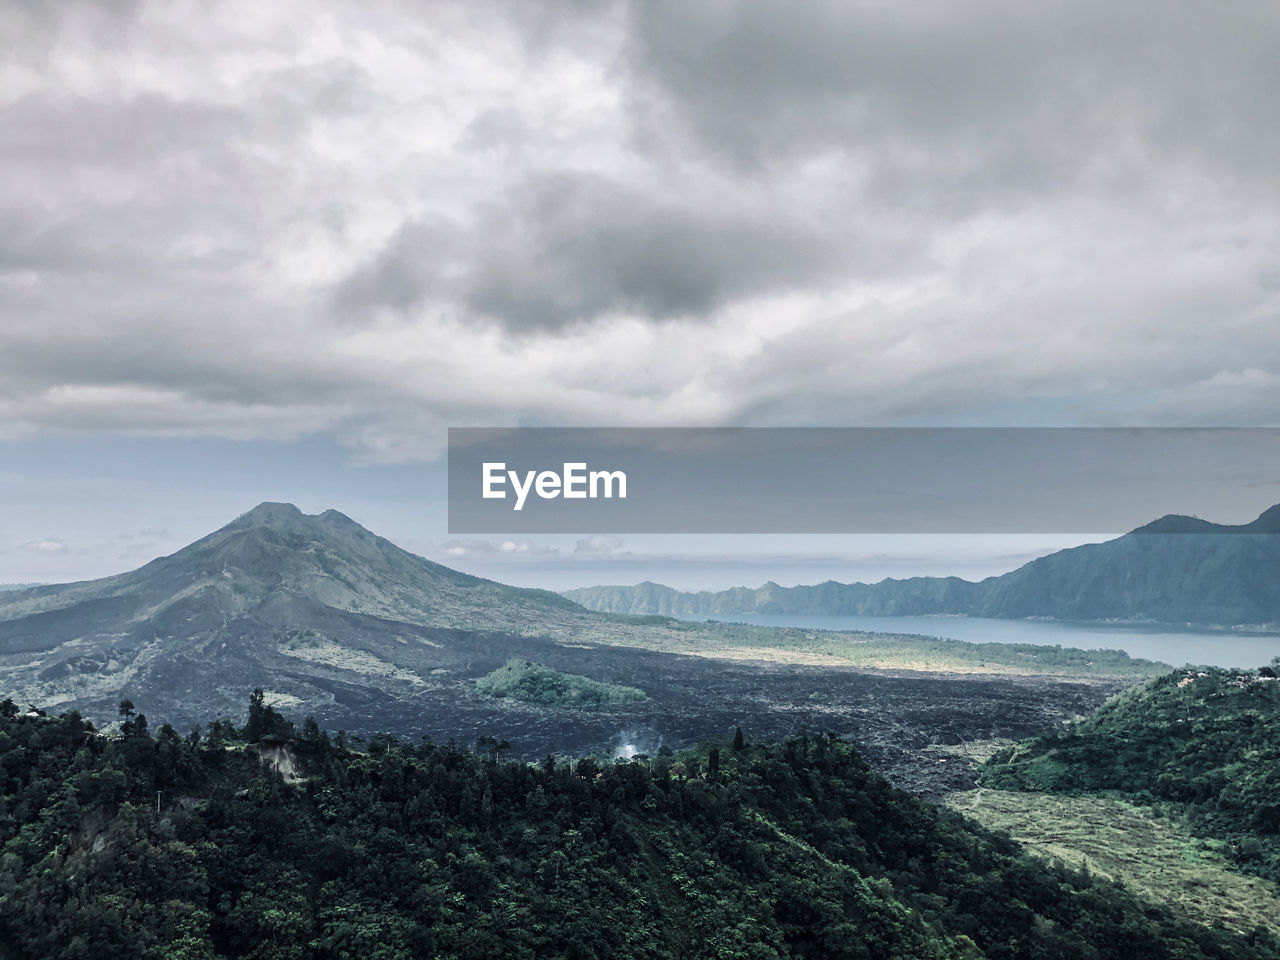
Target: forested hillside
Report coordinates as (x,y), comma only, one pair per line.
(269,842)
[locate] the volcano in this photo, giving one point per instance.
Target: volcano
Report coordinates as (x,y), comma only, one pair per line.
(317,608)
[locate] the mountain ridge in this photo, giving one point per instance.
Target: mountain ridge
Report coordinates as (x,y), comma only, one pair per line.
(1175,570)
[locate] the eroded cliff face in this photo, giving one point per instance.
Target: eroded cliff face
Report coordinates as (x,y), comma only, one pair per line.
(280,758)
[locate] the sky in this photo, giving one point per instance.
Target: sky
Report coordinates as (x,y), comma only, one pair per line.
(272,251)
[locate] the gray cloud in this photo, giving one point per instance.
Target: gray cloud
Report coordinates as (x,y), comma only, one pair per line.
(39,26)
(367,223)
(564,248)
(1029,95)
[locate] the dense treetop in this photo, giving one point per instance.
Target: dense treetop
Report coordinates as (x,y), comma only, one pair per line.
(158,845)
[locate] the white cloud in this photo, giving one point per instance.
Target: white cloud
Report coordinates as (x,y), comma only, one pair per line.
(509,549)
(598,545)
(47,546)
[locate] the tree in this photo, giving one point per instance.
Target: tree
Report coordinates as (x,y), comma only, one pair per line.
(739,743)
(311,730)
(264,720)
(253,728)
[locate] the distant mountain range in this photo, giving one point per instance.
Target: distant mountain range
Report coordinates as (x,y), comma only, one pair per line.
(1175,570)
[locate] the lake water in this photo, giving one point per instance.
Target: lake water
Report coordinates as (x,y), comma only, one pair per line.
(1178,647)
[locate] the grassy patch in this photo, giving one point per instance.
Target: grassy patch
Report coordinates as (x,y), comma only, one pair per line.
(732,641)
(1156,858)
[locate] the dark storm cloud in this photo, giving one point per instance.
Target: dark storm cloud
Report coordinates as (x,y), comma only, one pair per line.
(563,248)
(576,247)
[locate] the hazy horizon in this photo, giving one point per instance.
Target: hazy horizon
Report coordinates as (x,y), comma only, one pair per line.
(682,562)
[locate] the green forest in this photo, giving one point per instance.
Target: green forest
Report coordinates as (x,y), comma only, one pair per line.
(1202,745)
(272,842)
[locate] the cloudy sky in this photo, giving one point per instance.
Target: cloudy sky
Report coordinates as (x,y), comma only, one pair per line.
(259,251)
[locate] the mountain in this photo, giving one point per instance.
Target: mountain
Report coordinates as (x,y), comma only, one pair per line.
(315,606)
(1174,570)
(277,554)
(913,597)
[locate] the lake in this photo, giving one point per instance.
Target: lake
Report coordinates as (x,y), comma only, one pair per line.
(1178,647)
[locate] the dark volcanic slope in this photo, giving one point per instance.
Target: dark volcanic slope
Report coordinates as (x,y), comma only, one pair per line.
(1177,570)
